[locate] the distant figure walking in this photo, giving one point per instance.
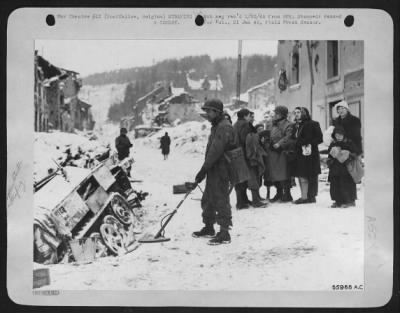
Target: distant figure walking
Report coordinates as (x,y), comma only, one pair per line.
(165,142)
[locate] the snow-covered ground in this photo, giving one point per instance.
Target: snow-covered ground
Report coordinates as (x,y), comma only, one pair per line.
(280,247)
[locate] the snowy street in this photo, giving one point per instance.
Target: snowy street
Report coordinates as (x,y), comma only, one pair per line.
(280,247)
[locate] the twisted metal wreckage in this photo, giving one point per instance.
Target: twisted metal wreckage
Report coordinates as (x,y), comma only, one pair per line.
(78,205)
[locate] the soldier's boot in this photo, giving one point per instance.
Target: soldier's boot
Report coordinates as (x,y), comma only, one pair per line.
(222,237)
(206,232)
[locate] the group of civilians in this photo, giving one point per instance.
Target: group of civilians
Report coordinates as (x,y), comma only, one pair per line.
(282,149)
(274,153)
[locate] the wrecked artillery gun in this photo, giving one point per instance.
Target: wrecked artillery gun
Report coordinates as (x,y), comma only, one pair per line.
(81,204)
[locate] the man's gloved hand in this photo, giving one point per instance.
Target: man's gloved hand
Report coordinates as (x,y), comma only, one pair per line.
(190,185)
(200,176)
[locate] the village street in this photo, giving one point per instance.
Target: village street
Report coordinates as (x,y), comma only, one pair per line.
(280,247)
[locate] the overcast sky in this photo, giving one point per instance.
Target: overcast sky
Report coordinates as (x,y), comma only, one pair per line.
(94,56)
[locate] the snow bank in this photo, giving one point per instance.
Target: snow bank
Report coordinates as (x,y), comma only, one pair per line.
(190,137)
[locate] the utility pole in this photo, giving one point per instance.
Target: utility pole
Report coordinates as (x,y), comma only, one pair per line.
(310,60)
(239,70)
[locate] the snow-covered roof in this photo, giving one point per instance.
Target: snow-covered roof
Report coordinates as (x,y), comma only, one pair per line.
(269,82)
(170,98)
(154,92)
(177,91)
(244,97)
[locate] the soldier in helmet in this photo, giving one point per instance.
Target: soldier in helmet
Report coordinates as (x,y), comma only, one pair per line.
(215,201)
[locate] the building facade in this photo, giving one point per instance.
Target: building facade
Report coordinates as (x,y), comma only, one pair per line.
(206,88)
(319,74)
(262,95)
(56,101)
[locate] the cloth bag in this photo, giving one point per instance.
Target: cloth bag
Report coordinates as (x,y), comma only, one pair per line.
(238,170)
(355,169)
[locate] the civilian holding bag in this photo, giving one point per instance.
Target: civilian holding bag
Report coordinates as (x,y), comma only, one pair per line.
(342,186)
(306,165)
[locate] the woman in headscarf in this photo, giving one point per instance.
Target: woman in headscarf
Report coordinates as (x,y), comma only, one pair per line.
(351,124)
(306,165)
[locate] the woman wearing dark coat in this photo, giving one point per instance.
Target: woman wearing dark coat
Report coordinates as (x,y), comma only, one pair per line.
(165,142)
(342,186)
(350,123)
(265,142)
(306,165)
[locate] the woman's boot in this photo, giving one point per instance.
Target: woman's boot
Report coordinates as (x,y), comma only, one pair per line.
(287,197)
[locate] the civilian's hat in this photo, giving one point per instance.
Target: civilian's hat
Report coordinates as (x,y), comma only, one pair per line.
(342,104)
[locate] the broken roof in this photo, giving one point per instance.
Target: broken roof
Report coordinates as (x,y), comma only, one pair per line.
(49,70)
(156,91)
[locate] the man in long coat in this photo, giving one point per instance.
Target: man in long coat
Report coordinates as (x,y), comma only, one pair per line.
(256,155)
(281,143)
(215,201)
(241,129)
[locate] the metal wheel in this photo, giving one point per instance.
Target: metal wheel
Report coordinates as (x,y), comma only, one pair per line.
(111,219)
(121,209)
(101,249)
(112,239)
(125,234)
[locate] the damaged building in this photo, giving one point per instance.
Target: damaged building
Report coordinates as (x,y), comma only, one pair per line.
(56,101)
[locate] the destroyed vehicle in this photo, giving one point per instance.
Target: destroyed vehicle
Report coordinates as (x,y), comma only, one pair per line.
(80,204)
